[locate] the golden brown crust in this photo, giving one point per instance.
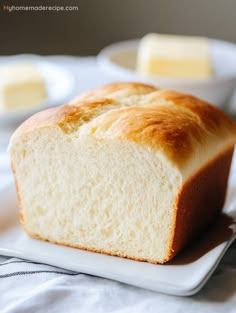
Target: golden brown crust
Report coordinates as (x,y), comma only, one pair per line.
(63,116)
(200,199)
(166,128)
(114,90)
(210,116)
(169,121)
(86,103)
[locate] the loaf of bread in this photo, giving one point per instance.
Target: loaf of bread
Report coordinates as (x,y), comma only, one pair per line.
(127,170)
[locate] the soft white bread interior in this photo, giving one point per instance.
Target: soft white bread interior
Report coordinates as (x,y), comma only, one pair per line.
(127,170)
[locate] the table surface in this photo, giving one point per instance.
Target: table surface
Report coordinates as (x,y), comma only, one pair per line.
(100,295)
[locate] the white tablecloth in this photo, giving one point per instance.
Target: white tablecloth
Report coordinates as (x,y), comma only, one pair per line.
(30,287)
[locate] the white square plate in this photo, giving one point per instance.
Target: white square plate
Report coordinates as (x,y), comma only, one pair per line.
(185,275)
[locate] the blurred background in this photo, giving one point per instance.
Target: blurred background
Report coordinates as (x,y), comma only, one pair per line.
(98,23)
(63,46)
(66,39)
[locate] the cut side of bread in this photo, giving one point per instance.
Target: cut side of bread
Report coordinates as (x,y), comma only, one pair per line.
(126,170)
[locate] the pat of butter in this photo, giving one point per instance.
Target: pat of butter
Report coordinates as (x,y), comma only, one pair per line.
(21,86)
(174,56)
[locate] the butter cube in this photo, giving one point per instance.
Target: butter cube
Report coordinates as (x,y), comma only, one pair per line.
(174,56)
(21,86)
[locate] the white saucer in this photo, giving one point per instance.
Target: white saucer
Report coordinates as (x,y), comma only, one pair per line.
(119,61)
(59,85)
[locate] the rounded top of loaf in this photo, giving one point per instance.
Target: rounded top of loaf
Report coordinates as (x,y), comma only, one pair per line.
(175,123)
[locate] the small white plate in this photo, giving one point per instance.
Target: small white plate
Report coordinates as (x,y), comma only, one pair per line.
(184,275)
(59,85)
(119,61)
